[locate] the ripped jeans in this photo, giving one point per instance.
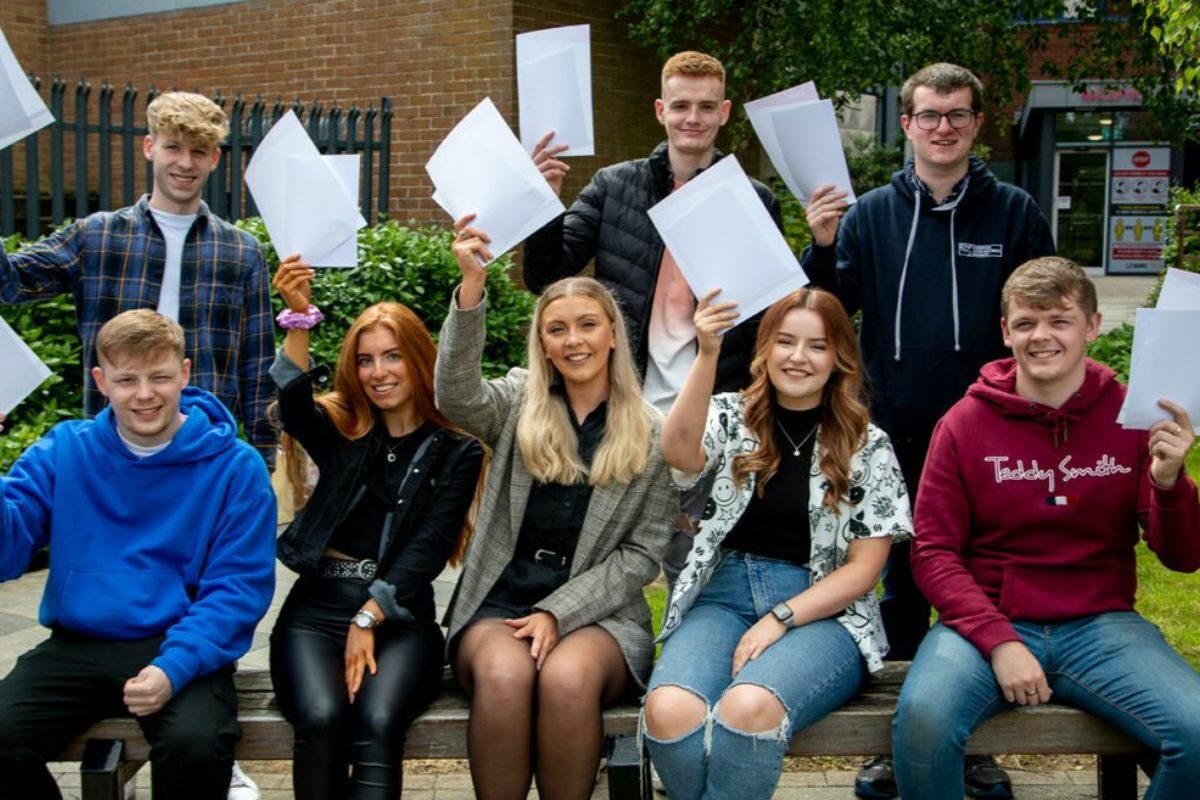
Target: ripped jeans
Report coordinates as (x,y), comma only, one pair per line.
(811,670)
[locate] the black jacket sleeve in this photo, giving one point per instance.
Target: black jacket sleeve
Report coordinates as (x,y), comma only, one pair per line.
(564,246)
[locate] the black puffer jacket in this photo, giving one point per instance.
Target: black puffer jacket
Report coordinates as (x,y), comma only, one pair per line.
(609,222)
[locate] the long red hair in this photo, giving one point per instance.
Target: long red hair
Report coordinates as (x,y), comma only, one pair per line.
(844,415)
(352,412)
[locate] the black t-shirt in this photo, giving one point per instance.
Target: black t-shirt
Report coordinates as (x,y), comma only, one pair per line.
(776,525)
(359,534)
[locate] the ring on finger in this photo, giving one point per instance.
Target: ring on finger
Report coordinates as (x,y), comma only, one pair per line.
(1031,693)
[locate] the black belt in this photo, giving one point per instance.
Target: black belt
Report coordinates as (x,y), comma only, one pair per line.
(344,568)
(543,557)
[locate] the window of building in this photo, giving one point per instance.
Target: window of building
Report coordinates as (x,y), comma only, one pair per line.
(67,12)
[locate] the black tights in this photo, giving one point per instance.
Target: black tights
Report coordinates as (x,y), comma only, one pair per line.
(308,669)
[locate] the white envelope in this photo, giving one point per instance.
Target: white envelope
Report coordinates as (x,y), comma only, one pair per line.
(1165,364)
(346,166)
(554,88)
(303,203)
(722,236)
(481,168)
(1180,291)
(21,108)
(800,135)
(23,371)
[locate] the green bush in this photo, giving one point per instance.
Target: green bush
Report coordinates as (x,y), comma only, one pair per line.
(1114,348)
(409,265)
(413,266)
(48,327)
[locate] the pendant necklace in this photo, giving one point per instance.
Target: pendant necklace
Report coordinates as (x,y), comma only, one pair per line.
(795,447)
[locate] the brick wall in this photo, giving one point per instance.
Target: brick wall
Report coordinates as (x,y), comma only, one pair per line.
(436,60)
(24,25)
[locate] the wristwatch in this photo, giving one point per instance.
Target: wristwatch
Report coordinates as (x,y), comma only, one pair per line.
(365,619)
(783,613)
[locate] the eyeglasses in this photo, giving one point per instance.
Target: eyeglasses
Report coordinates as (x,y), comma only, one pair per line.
(959,118)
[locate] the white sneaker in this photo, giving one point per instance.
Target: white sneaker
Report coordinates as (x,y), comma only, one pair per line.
(241,787)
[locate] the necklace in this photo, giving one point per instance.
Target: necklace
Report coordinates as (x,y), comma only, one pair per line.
(795,447)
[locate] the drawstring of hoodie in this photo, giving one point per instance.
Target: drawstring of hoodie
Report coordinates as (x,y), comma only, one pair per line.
(952,207)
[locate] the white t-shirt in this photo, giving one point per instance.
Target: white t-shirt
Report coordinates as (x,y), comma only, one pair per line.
(175,228)
(142,451)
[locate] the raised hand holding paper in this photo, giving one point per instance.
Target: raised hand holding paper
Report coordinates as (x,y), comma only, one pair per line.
(554,88)
(23,371)
(801,137)
(722,236)
(304,204)
(480,168)
(21,109)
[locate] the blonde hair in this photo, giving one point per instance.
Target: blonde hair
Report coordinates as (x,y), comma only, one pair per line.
(1043,283)
(691,62)
(139,335)
(192,117)
(545,436)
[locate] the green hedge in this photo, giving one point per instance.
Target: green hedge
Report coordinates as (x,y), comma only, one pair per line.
(410,265)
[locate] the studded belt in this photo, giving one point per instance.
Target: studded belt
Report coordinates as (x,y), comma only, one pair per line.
(343,568)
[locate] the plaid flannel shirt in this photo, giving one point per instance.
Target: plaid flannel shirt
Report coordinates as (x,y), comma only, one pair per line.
(113,261)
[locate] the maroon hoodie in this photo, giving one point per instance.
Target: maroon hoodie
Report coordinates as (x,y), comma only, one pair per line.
(1027,512)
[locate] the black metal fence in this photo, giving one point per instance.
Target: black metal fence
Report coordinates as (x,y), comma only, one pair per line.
(333,131)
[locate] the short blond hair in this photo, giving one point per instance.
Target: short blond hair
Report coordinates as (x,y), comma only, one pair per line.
(1043,283)
(192,117)
(139,335)
(692,62)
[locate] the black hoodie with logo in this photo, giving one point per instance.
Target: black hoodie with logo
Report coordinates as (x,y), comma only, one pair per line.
(927,278)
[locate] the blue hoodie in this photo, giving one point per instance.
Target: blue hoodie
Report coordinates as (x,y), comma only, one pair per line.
(180,544)
(927,277)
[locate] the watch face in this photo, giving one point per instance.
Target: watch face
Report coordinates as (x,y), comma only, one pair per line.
(362,621)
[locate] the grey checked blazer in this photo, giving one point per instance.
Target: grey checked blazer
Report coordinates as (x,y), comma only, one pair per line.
(624,533)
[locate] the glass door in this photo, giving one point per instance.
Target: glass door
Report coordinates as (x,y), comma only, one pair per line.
(1081,205)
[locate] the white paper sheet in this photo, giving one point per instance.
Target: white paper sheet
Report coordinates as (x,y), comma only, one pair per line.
(23,371)
(722,236)
(800,135)
(1165,364)
(481,168)
(759,113)
(1180,291)
(304,205)
(346,167)
(554,88)
(21,108)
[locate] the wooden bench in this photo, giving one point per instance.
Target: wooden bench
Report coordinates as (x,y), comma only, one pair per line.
(112,750)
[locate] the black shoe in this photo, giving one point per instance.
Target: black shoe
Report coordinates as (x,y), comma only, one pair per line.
(985,779)
(876,780)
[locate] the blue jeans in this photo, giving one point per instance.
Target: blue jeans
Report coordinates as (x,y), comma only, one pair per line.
(811,670)
(1115,666)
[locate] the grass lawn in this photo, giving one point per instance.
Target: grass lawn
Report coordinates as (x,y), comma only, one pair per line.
(1169,599)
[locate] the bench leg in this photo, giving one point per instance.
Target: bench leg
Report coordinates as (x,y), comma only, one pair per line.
(625,780)
(100,771)
(1116,777)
